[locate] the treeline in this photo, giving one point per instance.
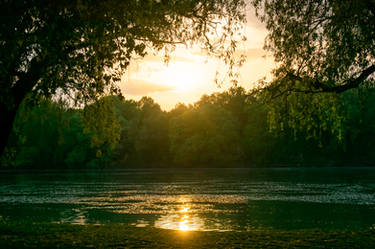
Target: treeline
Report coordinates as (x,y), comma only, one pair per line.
(229,129)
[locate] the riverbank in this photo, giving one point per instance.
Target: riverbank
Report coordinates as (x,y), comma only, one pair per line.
(122,236)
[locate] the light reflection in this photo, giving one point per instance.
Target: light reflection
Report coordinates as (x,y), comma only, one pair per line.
(183,226)
(77,216)
(184,210)
(181,218)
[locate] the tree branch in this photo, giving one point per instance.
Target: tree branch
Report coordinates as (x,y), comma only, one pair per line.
(322,86)
(26,81)
(351,83)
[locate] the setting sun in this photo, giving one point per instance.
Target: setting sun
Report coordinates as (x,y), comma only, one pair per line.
(187,124)
(191,72)
(183,76)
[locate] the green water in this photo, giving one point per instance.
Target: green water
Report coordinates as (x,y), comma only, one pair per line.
(210,199)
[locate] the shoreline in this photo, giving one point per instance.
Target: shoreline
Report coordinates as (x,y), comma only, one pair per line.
(46,235)
(156,169)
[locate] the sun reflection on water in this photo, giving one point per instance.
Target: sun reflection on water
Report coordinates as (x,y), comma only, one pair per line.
(183,224)
(181,218)
(185,210)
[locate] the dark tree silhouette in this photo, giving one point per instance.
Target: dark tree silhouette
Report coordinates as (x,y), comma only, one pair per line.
(320,45)
(81,48)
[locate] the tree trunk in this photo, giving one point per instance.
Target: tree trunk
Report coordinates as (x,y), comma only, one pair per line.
(8,111)
(10,106)
(7,117)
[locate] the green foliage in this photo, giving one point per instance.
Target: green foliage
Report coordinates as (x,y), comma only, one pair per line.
(205,135)
(322,48)
(309,114)
(228,129)
(149,133)
(80,49)
(331,42)
(101,123)
(49,136)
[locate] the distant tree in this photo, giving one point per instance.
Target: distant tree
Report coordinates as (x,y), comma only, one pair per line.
(223,129)
(40,130)
(149,133)
(320,45)
(100,121)
(49,136)
(205,135)
(81,48)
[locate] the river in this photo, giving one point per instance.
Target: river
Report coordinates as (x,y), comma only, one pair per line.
(194,199)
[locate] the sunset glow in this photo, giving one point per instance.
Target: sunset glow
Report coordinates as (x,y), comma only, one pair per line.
(187,124)
(182,76)
(190,73)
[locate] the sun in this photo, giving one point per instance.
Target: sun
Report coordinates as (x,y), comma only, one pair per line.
(187,71)
(182,76)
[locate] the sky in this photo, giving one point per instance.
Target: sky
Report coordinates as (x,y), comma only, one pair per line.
(190,73)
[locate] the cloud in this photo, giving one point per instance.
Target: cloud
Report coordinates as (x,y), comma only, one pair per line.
(143,87)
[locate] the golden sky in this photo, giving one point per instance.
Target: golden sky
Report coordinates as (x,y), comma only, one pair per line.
(190,73)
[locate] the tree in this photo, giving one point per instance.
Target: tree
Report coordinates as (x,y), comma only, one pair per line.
(40,135)
(206,134)
(80,48)
(49,136)
(102,124)
(320,45)
(149,133)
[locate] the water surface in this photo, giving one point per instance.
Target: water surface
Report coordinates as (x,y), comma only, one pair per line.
(209,199)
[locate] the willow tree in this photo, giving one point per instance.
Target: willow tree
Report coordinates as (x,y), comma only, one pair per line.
(327,44)
(80,48)
(322,48)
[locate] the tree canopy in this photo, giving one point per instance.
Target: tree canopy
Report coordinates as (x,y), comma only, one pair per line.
(80,48)
(228,129)
(320,45)
(322,49)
